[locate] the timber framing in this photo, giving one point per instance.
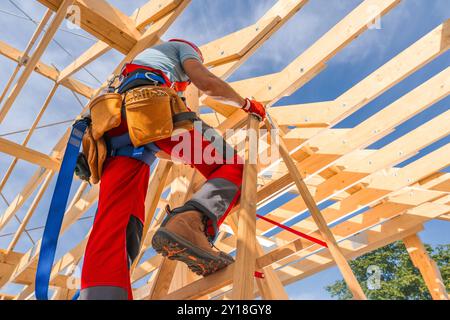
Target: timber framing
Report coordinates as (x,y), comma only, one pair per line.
(374,201)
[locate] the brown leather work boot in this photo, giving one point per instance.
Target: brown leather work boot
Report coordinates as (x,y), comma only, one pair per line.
(182,237)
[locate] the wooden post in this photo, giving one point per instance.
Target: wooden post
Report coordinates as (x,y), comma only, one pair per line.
(270,287)
(244,269)
(179,194)
(427,267)
(156,188)
(320,221)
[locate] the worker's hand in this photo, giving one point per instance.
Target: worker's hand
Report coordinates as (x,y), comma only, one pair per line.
(256,108)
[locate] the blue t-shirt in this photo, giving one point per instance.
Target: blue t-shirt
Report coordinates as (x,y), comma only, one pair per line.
(168,57)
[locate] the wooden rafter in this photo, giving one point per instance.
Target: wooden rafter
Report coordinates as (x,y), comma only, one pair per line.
(325,163)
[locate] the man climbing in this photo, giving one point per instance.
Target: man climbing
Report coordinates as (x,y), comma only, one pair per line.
(188,231)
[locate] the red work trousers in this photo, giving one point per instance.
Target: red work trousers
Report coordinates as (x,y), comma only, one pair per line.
(123,189)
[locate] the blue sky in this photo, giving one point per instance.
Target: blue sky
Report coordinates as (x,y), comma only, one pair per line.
(206,20)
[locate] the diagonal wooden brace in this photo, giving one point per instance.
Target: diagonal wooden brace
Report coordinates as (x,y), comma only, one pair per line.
(321,223)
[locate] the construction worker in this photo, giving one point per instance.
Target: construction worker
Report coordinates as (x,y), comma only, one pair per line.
(187,233)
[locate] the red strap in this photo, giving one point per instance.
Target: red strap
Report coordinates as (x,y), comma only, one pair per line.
(178,86)
(298,233)
(259,275)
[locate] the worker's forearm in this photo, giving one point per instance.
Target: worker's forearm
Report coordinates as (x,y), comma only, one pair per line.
(223,92)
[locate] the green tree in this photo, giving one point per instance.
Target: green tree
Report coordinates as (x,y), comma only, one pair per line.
(399,279)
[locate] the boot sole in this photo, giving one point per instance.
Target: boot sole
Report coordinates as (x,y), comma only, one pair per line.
(198,260)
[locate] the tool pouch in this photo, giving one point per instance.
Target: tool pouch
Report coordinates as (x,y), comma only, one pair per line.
(95,153)
(105,113)
(178,108)
(149,115)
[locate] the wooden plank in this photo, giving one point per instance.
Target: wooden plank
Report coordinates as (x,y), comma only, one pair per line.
(327,235)
(392,228)
(156,187)
(152,11)
(94,52)
(18,151)
(270,285)
(31,43)
(179,194)
(22,196)
(378,125)
(404,64)
(34,59)
(235,45)
(427,267)
(395,152)
(389,181)
(30,211)
(45,70)
(103,21)
(284,9)
(28,135)
(270,88)
(244,267)
(149,13)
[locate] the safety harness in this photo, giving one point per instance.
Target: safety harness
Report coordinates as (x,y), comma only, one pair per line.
(132,76)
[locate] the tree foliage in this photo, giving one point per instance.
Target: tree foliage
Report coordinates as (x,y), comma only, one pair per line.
(399,279)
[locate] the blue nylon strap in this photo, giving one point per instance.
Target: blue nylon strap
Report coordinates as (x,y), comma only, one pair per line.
(57,209)
(76,295)
(141,76)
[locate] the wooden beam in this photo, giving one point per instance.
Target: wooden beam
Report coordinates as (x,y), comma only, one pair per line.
(103,21)
(270,286)
(34,59)
(344,230)
(413,218)
(156,187)
(87,202)
(18,151)
(270,88)
(390,231)
(28,136)
(322,225)
(397,151)
(380,124)
(93,53)
(282,11)
(163,279)
(30,211)
(427,267)
(152,11)
(245,264)
(142,17)
(31,43)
